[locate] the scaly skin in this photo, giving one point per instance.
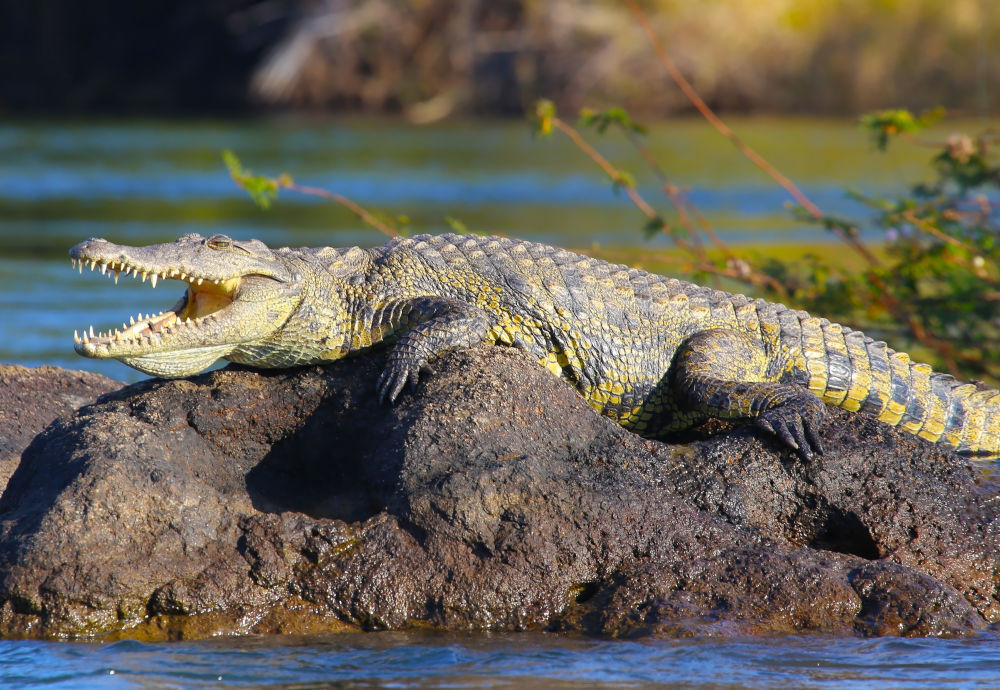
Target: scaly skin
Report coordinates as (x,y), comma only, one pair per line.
(655,354)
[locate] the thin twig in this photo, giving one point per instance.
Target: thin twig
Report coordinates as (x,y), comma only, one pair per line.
(343,201)
(929,228)
(616,176)
(703,263)
(685,209)
(889,301)
(749,153)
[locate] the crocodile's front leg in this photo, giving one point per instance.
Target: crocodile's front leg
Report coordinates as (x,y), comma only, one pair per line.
(729,374)
(427,326)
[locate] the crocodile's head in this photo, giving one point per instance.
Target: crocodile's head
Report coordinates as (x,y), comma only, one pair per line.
(237,293)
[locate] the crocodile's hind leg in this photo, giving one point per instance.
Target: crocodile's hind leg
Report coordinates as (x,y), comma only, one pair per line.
(729,374)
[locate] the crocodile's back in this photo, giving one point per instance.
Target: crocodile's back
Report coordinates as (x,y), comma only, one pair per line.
(653,353)
(614,332)
(608,329)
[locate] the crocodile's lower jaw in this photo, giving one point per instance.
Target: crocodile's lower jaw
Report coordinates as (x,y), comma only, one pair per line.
(177,363)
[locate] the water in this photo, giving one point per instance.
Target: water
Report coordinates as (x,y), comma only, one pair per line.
(59,183)
(531,660)
(150,182)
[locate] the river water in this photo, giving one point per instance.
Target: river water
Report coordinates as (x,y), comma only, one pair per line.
(150,182)
(528,660)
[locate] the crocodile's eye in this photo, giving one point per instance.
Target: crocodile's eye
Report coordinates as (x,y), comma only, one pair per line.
(218,242)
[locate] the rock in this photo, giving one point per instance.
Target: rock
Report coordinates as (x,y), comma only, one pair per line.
(492,497)
(30,399)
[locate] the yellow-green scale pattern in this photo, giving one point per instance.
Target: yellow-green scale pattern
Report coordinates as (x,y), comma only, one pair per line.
(655,354)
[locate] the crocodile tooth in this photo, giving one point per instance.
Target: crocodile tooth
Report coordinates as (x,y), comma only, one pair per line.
(116,277)
(144,276)
(152,279)
(91,331)
(104,268)
(76,337)
(131,321)
(199,281)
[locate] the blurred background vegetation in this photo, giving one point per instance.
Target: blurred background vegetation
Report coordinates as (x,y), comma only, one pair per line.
(428,59)
(113,115)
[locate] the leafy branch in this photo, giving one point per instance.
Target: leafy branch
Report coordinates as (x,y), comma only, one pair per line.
(686,238)
(264,190)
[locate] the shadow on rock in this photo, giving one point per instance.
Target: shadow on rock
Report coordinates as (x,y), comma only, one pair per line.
(492,497)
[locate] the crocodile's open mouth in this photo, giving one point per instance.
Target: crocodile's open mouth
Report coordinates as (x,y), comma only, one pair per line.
(203,300)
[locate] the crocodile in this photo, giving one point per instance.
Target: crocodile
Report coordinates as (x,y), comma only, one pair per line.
(655,354)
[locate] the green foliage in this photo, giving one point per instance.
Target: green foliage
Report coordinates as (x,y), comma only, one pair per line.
(397,223)
(263,190)
(653,226)
(937,287)
(545,113)
(831,223)
(932,288)
(965,163)
(601,120)
(621,179)
(882,125)
(456,225)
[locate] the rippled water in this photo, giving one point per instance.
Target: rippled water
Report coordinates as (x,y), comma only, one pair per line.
(397,660)
(148,182)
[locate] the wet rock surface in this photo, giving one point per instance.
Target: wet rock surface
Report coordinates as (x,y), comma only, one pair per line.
(492,497)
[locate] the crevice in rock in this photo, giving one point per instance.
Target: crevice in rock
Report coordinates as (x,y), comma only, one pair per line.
(587,591)
(844,532)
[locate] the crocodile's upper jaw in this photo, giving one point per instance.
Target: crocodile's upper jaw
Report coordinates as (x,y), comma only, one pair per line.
(229,300)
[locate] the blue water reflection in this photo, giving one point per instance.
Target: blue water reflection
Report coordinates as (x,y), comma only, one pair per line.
(411,660)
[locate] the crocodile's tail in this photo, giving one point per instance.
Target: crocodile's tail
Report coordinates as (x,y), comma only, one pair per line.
(850,370)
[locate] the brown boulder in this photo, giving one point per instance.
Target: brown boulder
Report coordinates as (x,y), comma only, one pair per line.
(492,497)
(30,399)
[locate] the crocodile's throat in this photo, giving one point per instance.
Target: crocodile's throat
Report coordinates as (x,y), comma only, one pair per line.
(204,300)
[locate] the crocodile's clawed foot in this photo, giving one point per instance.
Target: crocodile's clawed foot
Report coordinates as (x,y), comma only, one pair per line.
(393,379)
(796,425)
